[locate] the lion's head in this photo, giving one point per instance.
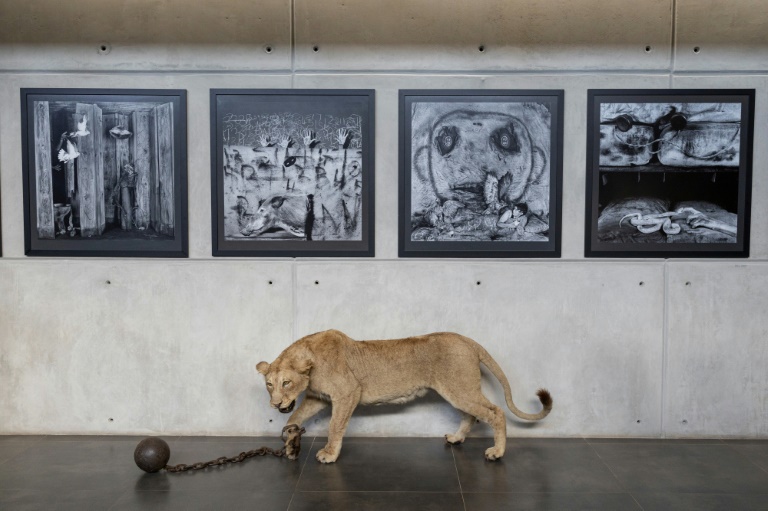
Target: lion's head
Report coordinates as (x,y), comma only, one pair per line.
(285,379)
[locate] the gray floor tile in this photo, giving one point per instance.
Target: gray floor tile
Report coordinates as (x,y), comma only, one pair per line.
(85,438)
(58,500)
(254,474)
(376,501)
(421,467)
(702,502)
(535,465)
(72,465)
(13,445)
(755,451)
(666,441)
(550,501)
(689,468)
(257,441)
(202,501)
(20,438)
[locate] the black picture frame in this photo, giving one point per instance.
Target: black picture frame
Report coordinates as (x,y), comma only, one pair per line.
(287,162)
(669,173)
(506,148)
(114,184)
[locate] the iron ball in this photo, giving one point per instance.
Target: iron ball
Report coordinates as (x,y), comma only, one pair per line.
(152,454)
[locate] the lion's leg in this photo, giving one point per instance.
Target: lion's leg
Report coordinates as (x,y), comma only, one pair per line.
(341,413)
(474,403)
(461,434)
(308,407)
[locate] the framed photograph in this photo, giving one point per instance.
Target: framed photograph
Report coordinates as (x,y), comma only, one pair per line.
(480,173)
(669,173)
(292,173)
(104,172)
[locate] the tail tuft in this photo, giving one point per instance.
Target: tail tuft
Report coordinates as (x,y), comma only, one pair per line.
(545,398)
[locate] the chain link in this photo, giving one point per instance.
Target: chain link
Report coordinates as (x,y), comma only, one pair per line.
(290,451)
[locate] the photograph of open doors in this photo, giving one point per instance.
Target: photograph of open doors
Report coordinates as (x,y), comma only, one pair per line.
(669,173)
(104,172)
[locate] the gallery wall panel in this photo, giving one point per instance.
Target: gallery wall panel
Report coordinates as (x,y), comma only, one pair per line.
(198,141)
(145,35)
(716,382)
(759,218)
(590,333)
(387,86)
(386,164)
(575,137)
(109,347)
(539,35)
(720,36)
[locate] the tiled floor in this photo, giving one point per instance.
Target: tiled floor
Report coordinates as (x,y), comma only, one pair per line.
(98,473)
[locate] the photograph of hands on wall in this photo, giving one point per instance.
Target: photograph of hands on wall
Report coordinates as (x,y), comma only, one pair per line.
(292,172)
(104,172)
(669,173)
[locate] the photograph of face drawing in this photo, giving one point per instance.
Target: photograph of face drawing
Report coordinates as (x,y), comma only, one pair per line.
(294,171)
(104,173)
(480,173)
(670,173)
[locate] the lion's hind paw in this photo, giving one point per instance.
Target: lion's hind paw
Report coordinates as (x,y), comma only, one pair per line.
(493,453)
(454,439)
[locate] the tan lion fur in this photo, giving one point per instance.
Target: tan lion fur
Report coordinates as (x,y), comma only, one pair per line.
(337,370)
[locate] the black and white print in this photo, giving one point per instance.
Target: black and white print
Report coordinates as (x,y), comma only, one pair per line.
(670,171)
(481,171)
(294,171)
(103,172)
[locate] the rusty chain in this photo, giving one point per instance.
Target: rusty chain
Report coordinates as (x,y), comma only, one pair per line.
(290,451)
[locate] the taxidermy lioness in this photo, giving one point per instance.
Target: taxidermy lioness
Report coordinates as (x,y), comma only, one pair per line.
(342,372)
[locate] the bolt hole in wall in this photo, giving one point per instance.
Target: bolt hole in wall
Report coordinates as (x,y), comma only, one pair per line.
(317,282)
(104,48)
(315,48)
(696,49)
(481,48)
(648,49)
(268,49)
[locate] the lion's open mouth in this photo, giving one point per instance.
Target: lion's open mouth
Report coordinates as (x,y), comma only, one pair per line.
(288,408)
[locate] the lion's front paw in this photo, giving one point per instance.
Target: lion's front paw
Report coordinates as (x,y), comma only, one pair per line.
(325,455)
(493,453)
(454,439)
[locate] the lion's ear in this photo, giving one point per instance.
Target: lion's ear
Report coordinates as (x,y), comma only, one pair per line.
(263,368)
(302,366)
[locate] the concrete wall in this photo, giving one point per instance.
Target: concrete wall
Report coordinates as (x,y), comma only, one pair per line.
(627,347)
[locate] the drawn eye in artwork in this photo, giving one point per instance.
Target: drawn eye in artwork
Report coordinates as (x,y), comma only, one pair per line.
(505,140)
(70,154)
(446,139)
(290,161)
(82,128)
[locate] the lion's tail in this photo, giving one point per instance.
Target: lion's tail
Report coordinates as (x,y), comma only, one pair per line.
(493,366)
